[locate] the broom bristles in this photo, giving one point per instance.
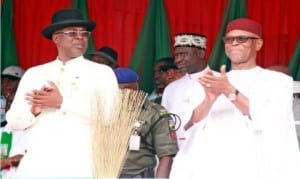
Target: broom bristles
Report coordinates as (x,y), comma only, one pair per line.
(111,130)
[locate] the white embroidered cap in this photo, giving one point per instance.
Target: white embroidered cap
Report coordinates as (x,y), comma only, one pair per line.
(190,40)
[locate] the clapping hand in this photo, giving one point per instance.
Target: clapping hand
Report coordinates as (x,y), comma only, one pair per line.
(46,97)
(215,85)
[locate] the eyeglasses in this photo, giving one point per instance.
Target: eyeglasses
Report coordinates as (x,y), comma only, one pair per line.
(239,39)
(73,34)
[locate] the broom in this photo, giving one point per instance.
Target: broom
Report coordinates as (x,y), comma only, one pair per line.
(112,127)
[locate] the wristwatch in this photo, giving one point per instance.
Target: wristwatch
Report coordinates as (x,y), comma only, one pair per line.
(232,96)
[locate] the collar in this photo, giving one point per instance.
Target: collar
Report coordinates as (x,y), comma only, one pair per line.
(195,76)
(70,63)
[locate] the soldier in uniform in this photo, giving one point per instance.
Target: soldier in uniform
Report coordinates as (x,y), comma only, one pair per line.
(153,137)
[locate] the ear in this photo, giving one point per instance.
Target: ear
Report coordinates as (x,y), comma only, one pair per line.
(201,53)
(259,44)
(55,38)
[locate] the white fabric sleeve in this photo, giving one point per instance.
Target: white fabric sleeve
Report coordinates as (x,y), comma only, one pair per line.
(19,115)
(272,117)
(19,144)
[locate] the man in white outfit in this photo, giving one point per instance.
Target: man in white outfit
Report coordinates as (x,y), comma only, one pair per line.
(244,128)
(183,95)
(54,102)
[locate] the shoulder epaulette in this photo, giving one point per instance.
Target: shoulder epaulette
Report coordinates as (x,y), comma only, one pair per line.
(160,110)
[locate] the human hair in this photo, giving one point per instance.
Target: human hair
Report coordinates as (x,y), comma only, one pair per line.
(166,64)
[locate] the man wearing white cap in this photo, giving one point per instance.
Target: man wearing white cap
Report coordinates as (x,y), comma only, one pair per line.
(10,78)
(12,142)
(244,126)
(183,95)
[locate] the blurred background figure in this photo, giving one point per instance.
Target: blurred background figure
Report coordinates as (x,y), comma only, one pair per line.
(105,55)
(171,71)
(165,71)
(12,142)
(10,78)
(280,68)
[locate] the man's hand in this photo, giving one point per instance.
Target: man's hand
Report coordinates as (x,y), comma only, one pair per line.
(217,84)
(209,81)
(47,97)
(11,161)
(15,160)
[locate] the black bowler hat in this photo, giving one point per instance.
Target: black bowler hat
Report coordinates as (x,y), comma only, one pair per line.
(107,53)
(66,18)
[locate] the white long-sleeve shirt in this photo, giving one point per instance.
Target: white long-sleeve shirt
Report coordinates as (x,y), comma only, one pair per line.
(181,97)
(231,145)
(59,139)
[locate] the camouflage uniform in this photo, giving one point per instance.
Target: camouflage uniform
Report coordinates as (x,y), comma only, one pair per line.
(156,140)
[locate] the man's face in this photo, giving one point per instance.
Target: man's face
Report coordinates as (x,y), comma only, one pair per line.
(188,59)
(243,53)
(172,75)
(71,41)
(9,87)
(159,75)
